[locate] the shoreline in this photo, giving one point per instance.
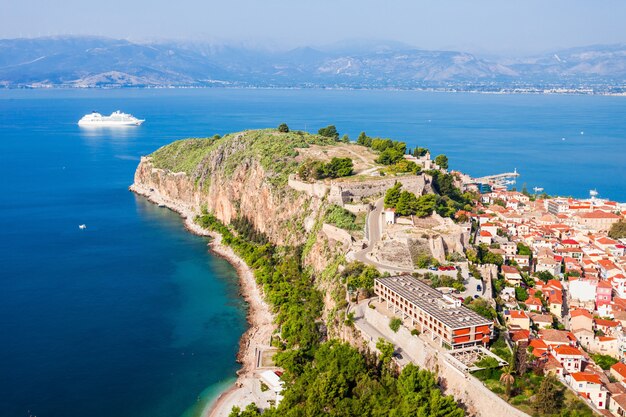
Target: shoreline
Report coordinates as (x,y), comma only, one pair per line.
(259,316)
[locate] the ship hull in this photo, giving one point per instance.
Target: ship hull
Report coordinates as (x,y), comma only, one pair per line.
(110,124)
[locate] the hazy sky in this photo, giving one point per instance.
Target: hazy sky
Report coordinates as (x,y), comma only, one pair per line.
(498,26)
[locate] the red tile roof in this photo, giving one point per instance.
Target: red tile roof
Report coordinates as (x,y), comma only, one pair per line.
(580,312)
(586,377)
(567,350)
(620,368)
(606,323)
(598,215)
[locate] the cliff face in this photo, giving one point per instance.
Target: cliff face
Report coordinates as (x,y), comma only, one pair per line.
(237,176)
(280,214)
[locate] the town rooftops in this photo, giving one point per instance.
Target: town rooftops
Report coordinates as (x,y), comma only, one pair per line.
(586,377)
(432,302)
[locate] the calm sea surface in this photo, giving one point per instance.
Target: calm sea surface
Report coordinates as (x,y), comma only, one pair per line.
(132,316)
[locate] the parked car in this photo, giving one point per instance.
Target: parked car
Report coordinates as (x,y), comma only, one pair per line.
(476,296)
(479,287)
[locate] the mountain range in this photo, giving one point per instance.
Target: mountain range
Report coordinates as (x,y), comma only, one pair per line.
(104,62)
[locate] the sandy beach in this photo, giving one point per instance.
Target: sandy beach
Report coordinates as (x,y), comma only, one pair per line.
(259,317)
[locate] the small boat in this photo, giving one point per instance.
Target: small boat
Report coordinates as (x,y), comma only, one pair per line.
(82,226)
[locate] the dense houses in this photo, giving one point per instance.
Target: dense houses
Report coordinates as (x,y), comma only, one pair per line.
(563,287)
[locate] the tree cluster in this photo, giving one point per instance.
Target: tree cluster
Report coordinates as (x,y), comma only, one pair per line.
(482,255)
(329,131)
(317,170)
(452,200)
(391,151)
(407,203)
(340,381)
(358,275)
(442,161)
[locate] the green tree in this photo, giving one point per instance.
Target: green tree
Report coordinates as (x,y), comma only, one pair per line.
(525,190)
(389,156)
(425,205)
(283,128)
(394,324)
(618,230)
(507,379)
(548,397)
(345,139)
(362,139)
(423,261)
(338,167)
(545,276)
(521,294)
(418,152)
(407,204)
(329,131)
(386,349)
(524,250)
(442,161)
(482,307)
(604,361)
(393,195)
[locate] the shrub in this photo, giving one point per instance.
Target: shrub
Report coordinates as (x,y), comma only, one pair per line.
(283,128)
(329,131)
(340,217)
(394,324)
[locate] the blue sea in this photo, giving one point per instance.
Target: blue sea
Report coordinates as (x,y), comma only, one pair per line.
(132,316)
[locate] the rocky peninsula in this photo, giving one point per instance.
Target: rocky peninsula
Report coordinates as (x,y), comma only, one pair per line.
(283,208)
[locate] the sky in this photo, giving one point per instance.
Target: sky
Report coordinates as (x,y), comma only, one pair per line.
(480,26)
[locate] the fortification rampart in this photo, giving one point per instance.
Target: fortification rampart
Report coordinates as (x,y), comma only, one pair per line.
(342,192)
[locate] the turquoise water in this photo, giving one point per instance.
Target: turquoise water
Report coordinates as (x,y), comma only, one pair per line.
(132,316)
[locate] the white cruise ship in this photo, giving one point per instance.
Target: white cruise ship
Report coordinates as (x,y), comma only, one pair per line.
(115,119)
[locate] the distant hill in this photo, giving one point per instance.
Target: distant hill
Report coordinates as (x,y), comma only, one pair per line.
(104,62)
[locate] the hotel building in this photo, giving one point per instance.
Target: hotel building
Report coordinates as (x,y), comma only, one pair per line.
(440,316)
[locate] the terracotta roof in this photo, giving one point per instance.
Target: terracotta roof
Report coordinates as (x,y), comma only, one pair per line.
(542,318)
(518,335)
(586,377)
(606,338)
(580,312)
(598,215)
(620,368)
(606,264)
(567,350)
(606,323)
(554,283)
(538,344)
(518,314)
(509,270)
(620,399)
(559,336)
